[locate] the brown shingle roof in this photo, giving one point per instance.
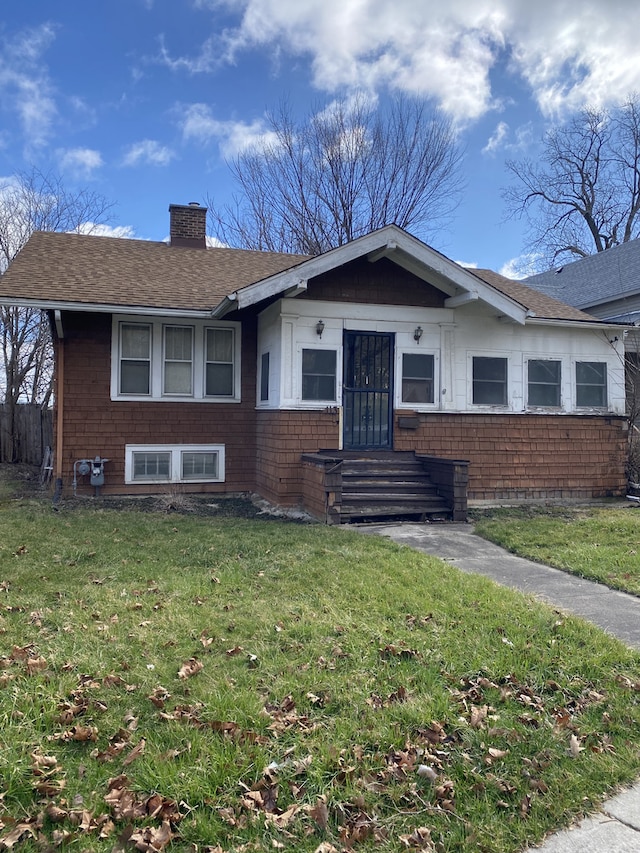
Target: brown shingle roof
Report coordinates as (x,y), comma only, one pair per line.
(56,267)
(539,304)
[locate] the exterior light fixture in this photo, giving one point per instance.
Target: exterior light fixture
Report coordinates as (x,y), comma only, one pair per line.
(417,334)
(319,328)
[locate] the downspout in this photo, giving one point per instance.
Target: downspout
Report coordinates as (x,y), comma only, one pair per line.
(59,407)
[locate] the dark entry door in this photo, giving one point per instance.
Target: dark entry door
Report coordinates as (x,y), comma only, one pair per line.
(368,390)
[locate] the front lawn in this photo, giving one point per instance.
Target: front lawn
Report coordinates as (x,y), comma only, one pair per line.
(173,682)
(599,544)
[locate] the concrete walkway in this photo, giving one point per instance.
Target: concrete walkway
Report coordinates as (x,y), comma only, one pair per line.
(616,828)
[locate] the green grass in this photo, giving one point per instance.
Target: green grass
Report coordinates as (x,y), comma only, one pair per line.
(341,690)
(600,544)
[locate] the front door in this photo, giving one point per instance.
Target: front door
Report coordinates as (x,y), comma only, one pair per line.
(368,390)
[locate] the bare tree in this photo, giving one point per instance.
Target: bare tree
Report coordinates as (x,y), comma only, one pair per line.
(34,201)
(584,195)
(342,172)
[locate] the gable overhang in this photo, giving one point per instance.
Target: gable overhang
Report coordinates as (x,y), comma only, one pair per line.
(460,286)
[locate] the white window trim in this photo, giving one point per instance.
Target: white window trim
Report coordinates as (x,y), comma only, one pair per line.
(319,404)
(156,394)
(417,407)
(176,451)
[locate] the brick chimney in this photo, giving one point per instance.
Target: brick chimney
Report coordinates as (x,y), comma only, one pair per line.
(188,225)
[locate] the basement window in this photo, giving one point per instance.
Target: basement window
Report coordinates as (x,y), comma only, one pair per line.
(176,463)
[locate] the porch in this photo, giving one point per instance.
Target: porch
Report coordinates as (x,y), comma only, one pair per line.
(339,487)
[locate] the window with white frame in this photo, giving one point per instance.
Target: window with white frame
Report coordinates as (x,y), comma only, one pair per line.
(591,384)
(177,463)
(543,382)
(160,360)
(178,360)
(489,381)
(418,378)
(219,362)
(135,358)
(319,374)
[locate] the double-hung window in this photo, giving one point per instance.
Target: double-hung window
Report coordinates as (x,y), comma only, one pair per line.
(417,378)
(319,374)
(543,382)
(135,358)
(160,360)
(489,381)
(219,350)
(178,360)
(591,384)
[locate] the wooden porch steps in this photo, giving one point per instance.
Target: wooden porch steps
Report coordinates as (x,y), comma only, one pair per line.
(388,486)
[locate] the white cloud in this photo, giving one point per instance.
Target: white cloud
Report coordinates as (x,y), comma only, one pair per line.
(97,230)
(200,125)
(80,162)
(497,138)
(521,267)
(25,89)
(569,55)
(150,152)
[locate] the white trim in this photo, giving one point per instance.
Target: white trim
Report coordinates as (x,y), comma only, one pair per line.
(156,393)
(175,463)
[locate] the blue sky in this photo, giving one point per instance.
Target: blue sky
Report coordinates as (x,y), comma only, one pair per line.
(142,100)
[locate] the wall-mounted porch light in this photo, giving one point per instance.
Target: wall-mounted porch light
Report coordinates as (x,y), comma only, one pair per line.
(319,328)
(417,334)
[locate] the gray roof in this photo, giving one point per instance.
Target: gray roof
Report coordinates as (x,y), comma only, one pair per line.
(595,280)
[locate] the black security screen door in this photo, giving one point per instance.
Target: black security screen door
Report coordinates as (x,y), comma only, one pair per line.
(368,390)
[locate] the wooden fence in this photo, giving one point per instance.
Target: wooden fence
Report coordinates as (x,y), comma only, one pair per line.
(32,435)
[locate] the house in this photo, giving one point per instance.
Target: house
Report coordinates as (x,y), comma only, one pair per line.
(356,375)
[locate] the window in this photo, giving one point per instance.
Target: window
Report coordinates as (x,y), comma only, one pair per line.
(148,465)
(161,360)
(178,463)
(178,360)
(135,359)
(489,381)
(219,363)
(318,374)
(264,376)
(544,382)
(591,384)
(199,465)
(417,378)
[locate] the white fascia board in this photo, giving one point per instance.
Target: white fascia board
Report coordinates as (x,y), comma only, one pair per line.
(579,324)
(105,308)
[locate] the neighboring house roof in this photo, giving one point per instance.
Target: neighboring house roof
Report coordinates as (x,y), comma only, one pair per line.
(58,271)
(595,280)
